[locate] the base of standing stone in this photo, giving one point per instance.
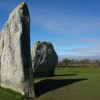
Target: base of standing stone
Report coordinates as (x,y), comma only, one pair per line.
(45,74)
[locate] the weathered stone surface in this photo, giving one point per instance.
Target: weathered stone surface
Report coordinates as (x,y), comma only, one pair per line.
(44,59)
(16,69)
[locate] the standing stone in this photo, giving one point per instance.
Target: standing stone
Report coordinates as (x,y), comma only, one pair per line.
(16,70)
(44,59)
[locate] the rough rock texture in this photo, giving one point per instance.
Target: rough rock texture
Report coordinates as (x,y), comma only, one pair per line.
(44,59)
(16,69)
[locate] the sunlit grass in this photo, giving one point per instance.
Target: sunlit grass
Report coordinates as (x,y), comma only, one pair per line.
(67,84)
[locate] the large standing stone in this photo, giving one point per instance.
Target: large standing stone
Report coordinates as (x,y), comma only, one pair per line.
(44,59)
(16,69)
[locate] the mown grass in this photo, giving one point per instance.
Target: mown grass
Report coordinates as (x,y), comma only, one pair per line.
(67,84)
(71,84)
(7,94)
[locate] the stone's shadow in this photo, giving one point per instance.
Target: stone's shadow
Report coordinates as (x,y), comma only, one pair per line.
(52,84)
(42,76)
(66,75)
(54,75)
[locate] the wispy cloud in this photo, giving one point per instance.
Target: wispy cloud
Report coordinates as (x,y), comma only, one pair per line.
(93,40)
(76,57)
(81,53)
(85,51)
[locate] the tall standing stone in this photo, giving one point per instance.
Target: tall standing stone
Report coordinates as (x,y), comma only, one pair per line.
(16,70)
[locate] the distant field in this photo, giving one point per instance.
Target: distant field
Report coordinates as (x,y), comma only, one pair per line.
(67,84)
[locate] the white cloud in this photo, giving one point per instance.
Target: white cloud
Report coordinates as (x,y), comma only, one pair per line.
(91,40)
(91,57)
(86,51)
(81,53)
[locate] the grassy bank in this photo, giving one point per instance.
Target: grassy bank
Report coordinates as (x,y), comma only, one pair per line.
(67,84)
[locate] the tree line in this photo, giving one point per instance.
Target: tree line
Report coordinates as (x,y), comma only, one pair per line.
(78,63)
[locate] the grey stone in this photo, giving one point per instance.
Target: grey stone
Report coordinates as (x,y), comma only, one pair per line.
(16,68)
(44,59)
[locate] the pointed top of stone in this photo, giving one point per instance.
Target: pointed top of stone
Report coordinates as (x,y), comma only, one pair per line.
(19,12)
(22,5)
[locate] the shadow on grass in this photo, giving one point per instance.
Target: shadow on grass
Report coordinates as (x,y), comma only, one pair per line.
(54,75)
(66,75)
(52,84)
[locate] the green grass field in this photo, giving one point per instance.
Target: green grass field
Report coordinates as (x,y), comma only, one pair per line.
(67,84)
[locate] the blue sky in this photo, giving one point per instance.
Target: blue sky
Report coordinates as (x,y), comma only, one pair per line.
(72,26)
